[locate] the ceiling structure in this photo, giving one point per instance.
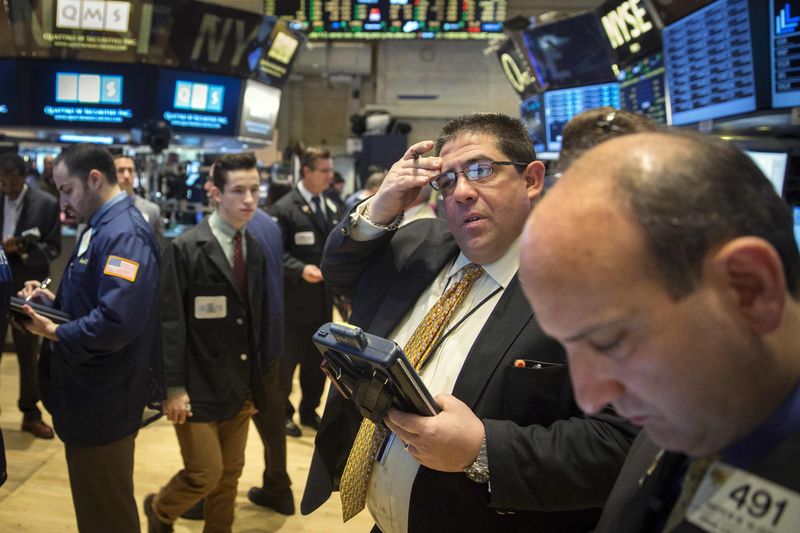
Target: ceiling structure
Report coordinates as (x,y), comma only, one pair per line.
(527,8)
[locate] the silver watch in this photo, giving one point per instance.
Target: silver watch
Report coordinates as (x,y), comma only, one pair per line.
(479,470)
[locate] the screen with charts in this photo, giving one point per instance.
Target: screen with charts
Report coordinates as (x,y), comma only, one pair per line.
(531,112)
(773,165)
(198,102)
(9,93)
(709,63)
(259,111)
(671,10)
(393,19)
(560,106)
(642,90)
(785,52)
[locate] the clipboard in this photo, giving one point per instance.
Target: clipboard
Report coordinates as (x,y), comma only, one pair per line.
(371,371)
(16,313)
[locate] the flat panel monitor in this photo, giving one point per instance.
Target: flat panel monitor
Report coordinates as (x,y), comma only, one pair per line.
(630,29)
(105,95)
(198,103)
(9,93)
(393,19)
(561,105)
(259,111)
(531,112)
(642,89)
(773,165)
(796,213)
(785,52)
(570,52)
(671,10)
(709,63)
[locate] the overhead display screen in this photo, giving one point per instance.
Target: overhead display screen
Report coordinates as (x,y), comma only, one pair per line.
(671,10)
(773,165)
(9,93)
(197,102)
(394,19)
(87,94)
(569,53)
(260,105)
(531,112)
(785,52)
(560,106)
(709,63)
(630,29)
(642,90)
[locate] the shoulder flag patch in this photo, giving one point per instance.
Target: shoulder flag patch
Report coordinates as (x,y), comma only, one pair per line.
(121,268)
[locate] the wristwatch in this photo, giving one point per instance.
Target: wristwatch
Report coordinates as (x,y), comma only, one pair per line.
(479,470)
(393,225)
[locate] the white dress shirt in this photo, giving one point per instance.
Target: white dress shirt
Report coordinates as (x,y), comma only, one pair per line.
(11,211)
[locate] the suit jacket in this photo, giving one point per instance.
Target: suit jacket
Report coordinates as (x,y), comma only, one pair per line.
(214,353)
(151,213)
(303,243)
(644,494)
(551,467)
(40,223)
(267,233)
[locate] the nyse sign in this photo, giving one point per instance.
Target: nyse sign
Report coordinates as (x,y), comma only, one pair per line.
(626,23)
(93,15)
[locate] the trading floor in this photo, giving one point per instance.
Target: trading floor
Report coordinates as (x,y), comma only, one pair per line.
(36,498)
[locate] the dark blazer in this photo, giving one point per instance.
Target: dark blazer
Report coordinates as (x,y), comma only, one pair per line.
(217,360)
(40,211)
(307,303)
(649,482)
(550,465)
(267,233)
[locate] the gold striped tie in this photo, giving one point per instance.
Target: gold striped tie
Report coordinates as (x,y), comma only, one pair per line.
(355,478)
(691,482)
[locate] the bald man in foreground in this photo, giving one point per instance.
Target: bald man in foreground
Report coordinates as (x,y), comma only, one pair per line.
(667,267)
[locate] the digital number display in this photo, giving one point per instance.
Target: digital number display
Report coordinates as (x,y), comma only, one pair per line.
(560,106)
(642,90)
(785,52)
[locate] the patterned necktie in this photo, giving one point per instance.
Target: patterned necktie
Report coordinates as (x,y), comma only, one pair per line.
(691,482)
(239,270)
(319,214)
(355,478)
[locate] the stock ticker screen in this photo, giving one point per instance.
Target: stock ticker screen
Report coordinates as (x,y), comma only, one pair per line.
(642,90)
(394,19)
(709,63)
(561,105)
(785,52)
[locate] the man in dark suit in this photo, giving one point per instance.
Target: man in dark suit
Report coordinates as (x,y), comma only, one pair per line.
(31,239)
(684,315)
(215,339)
(510,449)
(305,216)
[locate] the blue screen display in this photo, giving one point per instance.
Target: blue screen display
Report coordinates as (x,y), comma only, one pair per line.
(531,112)
(785,52)
(9,93)
(642,90)
(560,106)
(709,63)
(198,102)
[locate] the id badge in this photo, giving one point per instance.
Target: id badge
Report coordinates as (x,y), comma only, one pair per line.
(208,307)
(304,238)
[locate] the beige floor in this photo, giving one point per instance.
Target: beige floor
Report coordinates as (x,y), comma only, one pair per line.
(36,498)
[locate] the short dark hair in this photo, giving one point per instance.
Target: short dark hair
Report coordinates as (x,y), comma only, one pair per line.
(588,129)
(123,156)
(312,154)
(228,162)
(707,195)
(510,133)
(12,163)
(82,158)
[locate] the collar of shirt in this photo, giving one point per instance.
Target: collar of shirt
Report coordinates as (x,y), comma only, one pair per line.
(501,271)
(16,202)
(111,202)
(308,197)
(224,234)
(781,423)
(218,224)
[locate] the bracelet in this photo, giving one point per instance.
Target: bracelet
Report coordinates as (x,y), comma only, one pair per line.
(479,470)
(393,225)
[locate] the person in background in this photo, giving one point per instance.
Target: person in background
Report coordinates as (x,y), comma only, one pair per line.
(46,182)
(5,299)
(335,190)
(99,370)
(31,240)
(126,170)
(306,218)
(419,208)
(510,449)
(685,317)
(371,186)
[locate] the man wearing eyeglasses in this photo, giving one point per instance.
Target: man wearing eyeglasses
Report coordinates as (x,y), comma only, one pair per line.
(510,449)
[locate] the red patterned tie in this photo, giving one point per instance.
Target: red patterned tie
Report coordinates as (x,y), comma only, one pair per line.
(239,270)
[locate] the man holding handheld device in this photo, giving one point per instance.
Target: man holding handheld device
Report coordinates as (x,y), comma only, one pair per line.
(510,448)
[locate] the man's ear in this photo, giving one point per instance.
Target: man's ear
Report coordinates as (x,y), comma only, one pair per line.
(534,179)
(95,180)
(215,193)
(752,269)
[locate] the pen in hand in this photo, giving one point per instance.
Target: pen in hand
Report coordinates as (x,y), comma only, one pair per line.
(43,285)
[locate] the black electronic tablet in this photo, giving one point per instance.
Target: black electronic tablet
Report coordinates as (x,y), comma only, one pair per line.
(361,365)
(17,313)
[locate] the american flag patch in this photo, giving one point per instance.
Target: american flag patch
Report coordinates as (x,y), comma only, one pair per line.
(121,268)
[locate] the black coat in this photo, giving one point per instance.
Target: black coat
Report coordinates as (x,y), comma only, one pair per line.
(217,360)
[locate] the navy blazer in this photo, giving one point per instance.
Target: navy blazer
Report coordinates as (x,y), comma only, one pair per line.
(267,233)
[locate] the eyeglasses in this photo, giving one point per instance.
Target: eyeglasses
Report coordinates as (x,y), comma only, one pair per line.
(446,181)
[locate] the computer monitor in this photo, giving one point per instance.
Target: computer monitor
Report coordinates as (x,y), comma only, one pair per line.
(561,105)
(784,42)
(531,112)
(642,89)
(196,102)
(259,111)
(9,93)
(709,63)
(572,52)
(796,212)
(773,165)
